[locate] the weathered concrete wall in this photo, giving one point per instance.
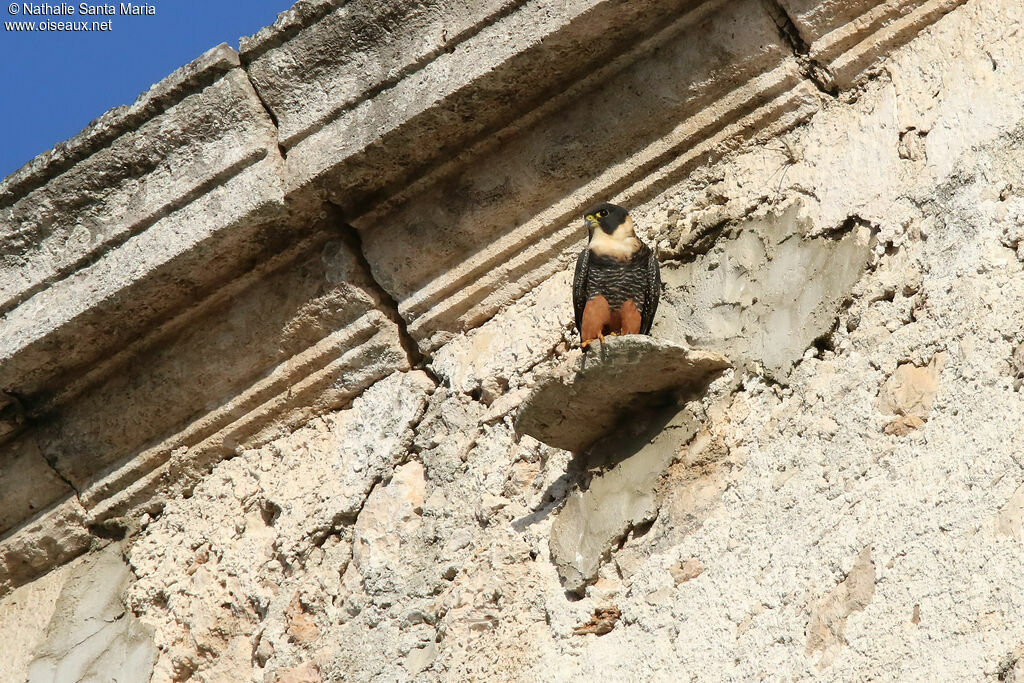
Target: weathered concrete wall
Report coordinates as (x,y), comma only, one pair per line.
(265,376)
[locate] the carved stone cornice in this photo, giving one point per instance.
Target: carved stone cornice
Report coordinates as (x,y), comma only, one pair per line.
(182,279)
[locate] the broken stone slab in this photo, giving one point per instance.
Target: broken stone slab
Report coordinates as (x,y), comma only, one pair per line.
(581,400)
(592,522)
(366,91)
(91,628)
(764,293)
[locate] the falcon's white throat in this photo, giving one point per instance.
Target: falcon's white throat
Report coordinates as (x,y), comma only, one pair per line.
(621,244)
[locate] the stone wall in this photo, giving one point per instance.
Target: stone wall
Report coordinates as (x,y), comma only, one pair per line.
(266,334)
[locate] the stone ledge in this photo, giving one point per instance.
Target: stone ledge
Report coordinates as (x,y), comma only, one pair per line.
(351,51)
(129,223)
(76,320)
(884,34)
(351,360)
(128,171)
(503,65)
(586,396)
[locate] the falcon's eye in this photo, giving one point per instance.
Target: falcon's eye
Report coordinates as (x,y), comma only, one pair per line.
(602,213)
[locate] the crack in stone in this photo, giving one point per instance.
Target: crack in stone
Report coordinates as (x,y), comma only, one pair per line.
(343,521)
(60,475)
(351,103)
(266,107)
(813,70)
(102,532)
(387,304)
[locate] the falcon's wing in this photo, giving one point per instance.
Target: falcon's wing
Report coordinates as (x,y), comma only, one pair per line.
(579,286)
(652,287)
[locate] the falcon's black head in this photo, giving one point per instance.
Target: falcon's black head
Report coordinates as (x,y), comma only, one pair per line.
(605,216)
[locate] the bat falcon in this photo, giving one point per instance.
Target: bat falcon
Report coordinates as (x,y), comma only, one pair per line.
(617,282)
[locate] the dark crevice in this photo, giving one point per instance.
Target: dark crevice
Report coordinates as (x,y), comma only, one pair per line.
(354,517)
(110,530)
(814,71)
(13,415)
(413,450)
(702,244)
(269,511)
(640,530)
(1005,672)
(848,225)
(266,107)
(826,341)
(126,558)
(342,521)
(387,303)
(60,475)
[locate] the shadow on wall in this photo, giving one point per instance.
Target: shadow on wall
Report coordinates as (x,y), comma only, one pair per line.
(614,488)
(626,408)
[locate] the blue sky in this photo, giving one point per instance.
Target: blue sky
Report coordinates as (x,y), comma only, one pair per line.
(52,84)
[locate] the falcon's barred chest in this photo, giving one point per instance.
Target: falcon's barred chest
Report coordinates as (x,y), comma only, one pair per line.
(617,281)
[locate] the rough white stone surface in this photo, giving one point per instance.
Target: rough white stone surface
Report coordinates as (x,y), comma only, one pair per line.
(856,516)
(267,517)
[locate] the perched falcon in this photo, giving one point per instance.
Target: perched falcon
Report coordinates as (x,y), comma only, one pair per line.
(617,282)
